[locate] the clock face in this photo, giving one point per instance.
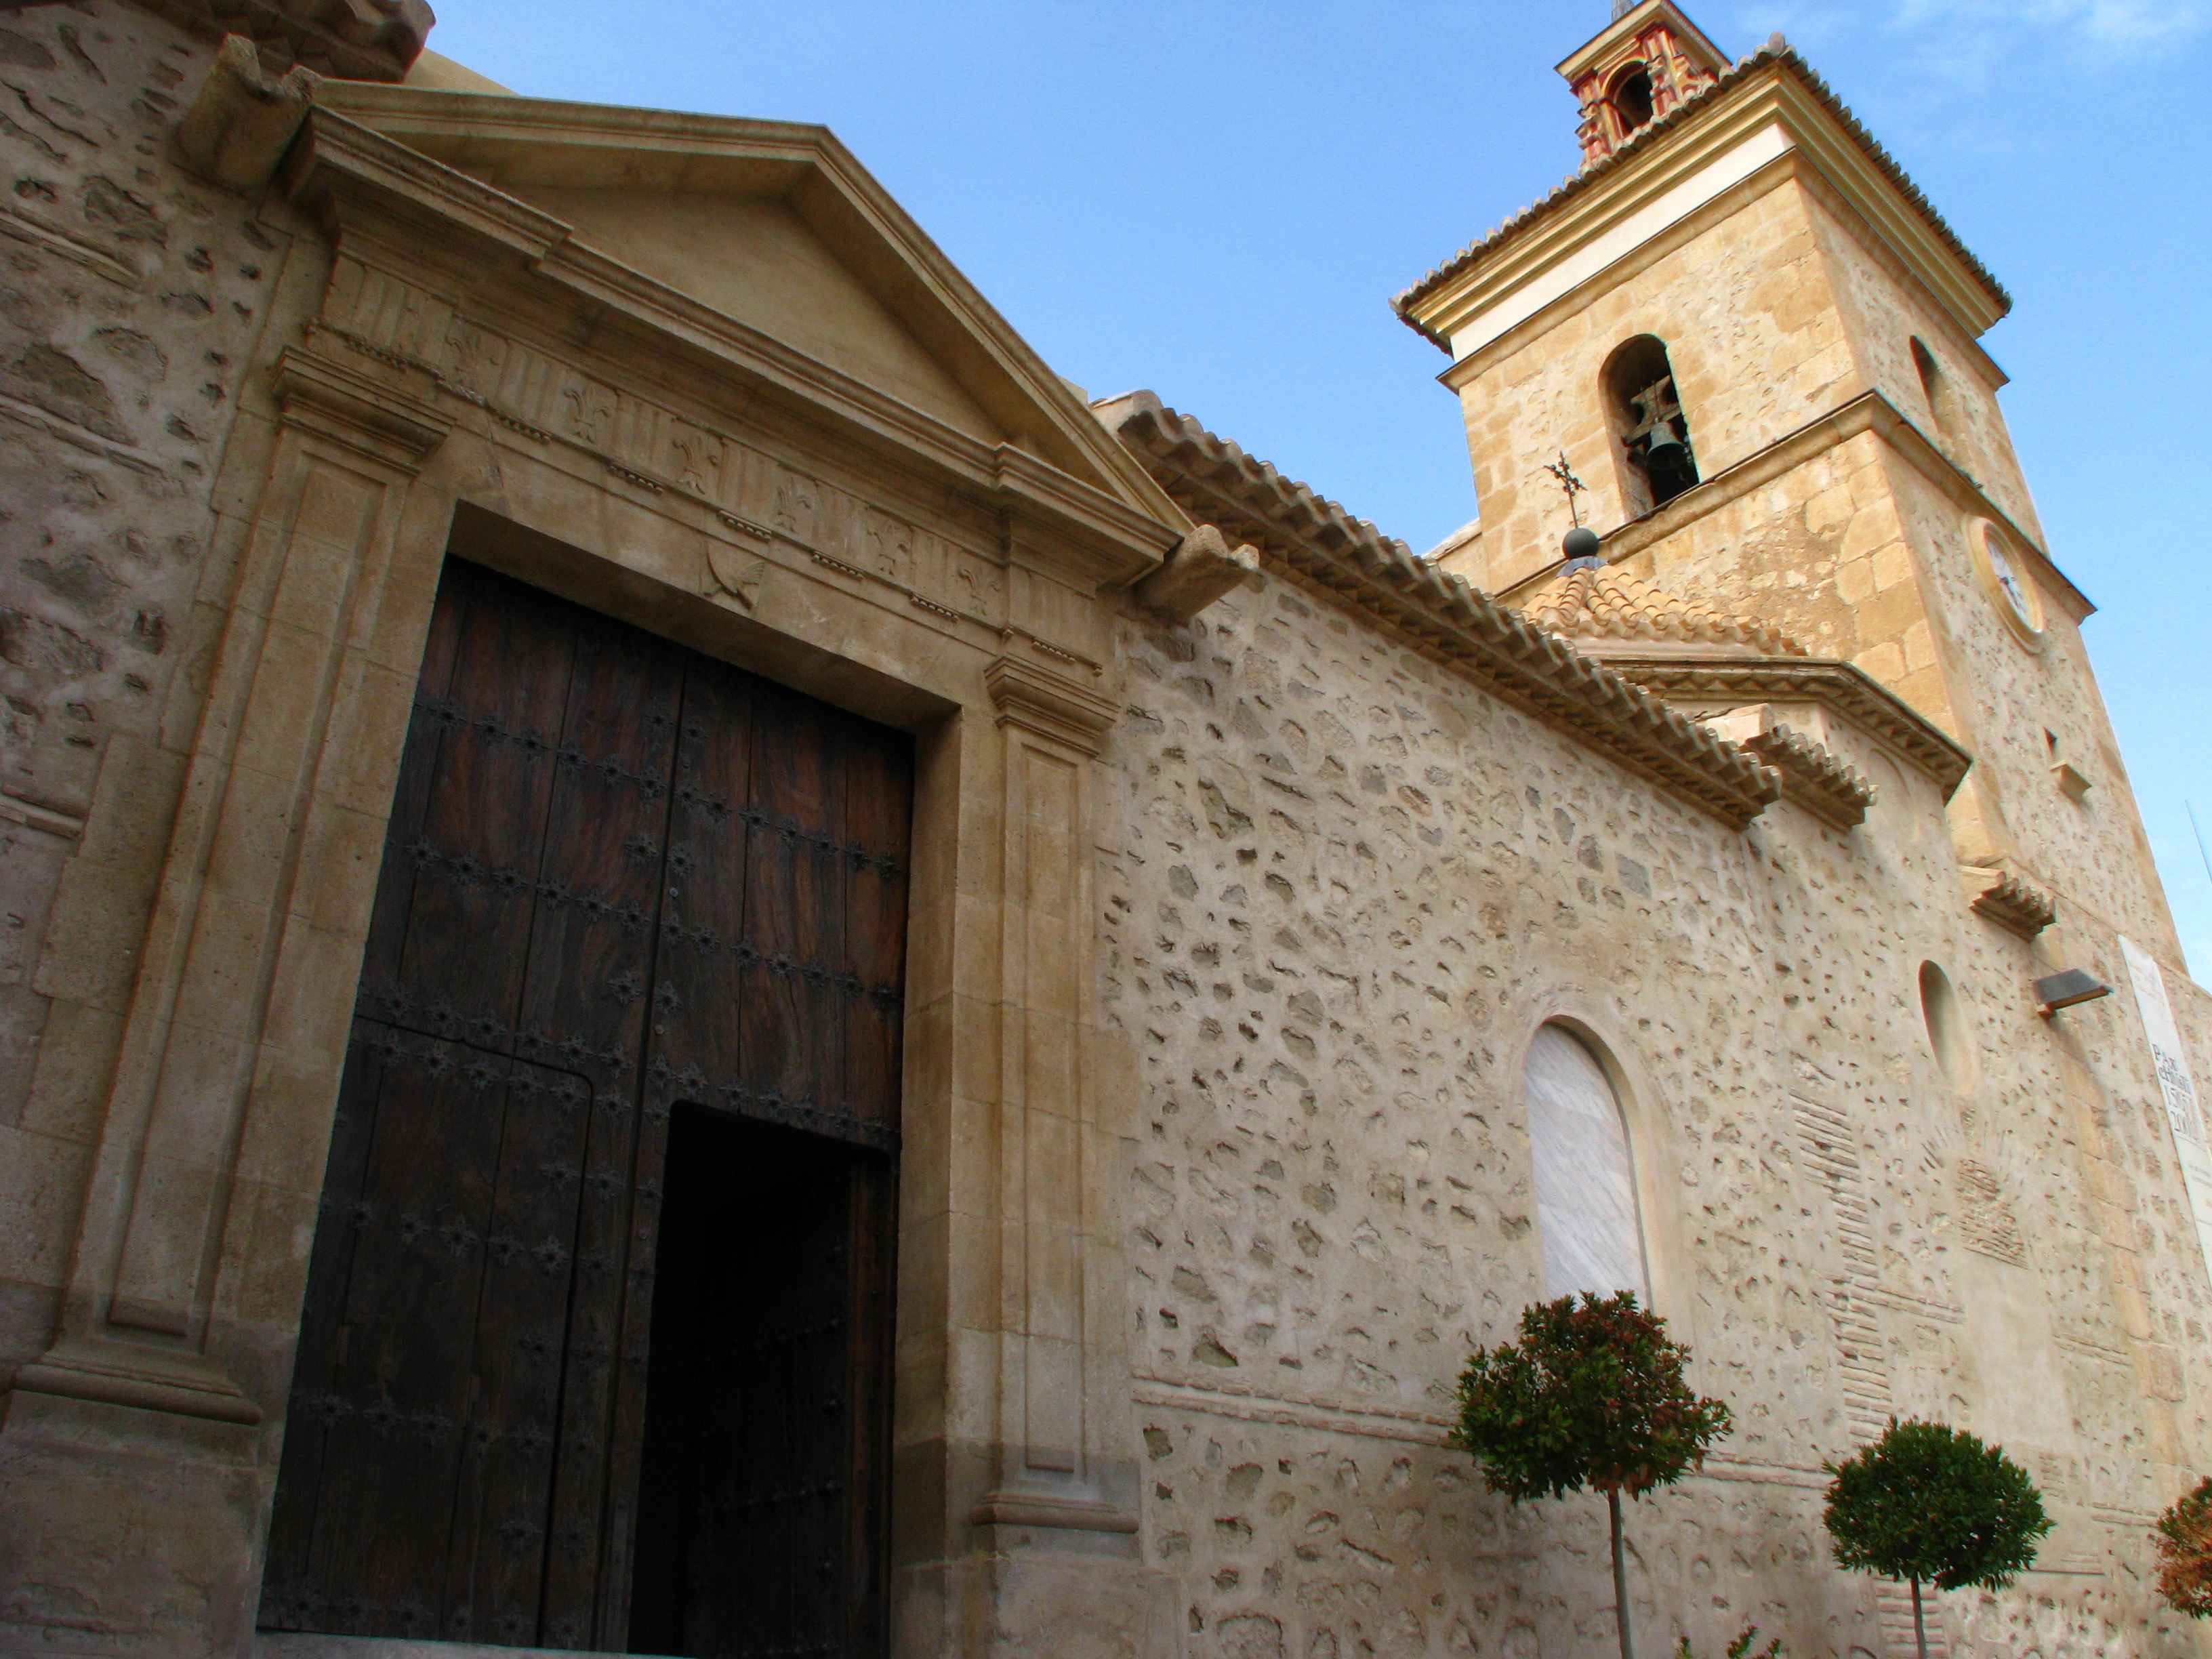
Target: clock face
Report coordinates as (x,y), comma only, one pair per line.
(2011,586)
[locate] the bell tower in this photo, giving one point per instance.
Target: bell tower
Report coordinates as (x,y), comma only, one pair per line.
(1759,345)
(1639,71)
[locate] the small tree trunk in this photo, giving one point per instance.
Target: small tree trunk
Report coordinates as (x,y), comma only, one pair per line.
(1620,1579)
(1919,1624)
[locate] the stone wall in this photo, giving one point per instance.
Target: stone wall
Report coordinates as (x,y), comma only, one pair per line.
(1884,311)
(131,299)
(1820,552)
(2014,698)
(1346,888)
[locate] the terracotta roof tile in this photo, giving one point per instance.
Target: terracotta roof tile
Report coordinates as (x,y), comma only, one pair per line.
(1776,51)
(1606,603)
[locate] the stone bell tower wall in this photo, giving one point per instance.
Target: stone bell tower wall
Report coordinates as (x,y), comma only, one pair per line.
(1742,296)
(1883,311)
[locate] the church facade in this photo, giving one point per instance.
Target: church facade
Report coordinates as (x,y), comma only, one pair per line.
(694,966)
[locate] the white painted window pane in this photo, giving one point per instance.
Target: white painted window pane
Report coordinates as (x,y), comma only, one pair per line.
(1586,1212)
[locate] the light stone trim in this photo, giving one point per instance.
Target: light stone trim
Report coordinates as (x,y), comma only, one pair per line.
(1729,682)
(241,119)
(1870,412)
(1812,776)
(1052,1234)
(235,925)
(1319,1414)
(18,222)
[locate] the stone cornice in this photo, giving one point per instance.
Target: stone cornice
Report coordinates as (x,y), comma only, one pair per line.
(357,39)
(2006,900)
(1056,705)
(1788,167)
(1813,777)
(1870,412)
(377,196)
(1772,88)
(1734,682)
(366,413)
(1331,552)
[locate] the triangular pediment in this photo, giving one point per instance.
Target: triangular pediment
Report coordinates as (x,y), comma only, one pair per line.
(756,258)
(777,226)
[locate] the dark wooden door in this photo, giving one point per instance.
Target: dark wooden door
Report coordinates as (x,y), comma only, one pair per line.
(620,878)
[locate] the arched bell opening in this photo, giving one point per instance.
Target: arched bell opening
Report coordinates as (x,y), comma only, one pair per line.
(1633,100)
(1656,461)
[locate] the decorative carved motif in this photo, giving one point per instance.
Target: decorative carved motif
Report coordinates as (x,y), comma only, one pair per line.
(756,498)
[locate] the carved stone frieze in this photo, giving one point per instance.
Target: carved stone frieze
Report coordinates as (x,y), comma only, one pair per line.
(757,500)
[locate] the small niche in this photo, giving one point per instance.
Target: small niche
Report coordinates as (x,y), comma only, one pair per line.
(1945,1021)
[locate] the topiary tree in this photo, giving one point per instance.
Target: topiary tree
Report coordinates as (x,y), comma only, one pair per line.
(1931,1504)
(1591,1395)
(2185,1553)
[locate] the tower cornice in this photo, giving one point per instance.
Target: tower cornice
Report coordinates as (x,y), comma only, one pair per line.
(1769,106)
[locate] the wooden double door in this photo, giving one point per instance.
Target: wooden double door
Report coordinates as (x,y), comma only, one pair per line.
(596,1345)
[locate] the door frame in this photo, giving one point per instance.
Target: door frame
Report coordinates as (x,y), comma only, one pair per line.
(972,603)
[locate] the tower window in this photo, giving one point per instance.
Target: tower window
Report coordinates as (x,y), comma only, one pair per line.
(1631,99)
(1654,434)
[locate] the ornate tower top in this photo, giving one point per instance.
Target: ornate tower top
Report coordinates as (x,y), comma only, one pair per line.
(1647,61)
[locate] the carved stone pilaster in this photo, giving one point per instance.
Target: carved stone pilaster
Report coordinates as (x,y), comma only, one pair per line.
(1054,1460)
(229,992)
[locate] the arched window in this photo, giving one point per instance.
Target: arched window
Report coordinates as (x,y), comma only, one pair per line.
(1657,461)
(1586,1216)
(1631,99)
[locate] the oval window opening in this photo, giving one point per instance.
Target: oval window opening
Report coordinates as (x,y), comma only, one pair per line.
(1947,1026)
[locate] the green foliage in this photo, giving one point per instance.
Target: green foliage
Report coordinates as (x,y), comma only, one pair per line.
(1935,1506)
(1741,1647)
(2185,1553)
(1593,1395)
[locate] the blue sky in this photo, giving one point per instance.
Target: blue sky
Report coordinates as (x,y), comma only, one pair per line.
(1217,200)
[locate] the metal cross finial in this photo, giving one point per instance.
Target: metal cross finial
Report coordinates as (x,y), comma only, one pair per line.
(1564,471)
